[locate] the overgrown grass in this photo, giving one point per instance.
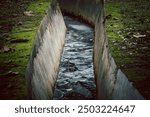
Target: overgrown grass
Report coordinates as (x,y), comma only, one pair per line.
(27,30)
(114,27)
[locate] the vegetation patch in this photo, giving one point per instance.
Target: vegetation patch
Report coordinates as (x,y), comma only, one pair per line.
(128,30)
(17,36)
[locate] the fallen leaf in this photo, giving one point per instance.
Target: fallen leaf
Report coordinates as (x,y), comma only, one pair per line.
(28,13)
(138,35)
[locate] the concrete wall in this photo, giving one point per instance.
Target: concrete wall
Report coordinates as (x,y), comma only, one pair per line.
(111,82)
(44,60)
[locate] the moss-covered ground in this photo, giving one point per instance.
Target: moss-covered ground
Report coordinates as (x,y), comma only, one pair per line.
(128,29)
(19,21)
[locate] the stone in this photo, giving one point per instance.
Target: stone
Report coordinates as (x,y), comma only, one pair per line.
(58,94)
(78,88)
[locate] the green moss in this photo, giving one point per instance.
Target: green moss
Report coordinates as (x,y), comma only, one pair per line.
(114,26)
(22,50)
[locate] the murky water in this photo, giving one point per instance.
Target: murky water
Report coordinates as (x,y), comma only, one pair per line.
(76,78)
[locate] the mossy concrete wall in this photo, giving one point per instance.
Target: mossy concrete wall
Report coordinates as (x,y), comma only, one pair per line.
(110,81)
(44,60)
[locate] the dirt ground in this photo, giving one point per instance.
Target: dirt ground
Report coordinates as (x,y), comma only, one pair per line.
(11,12)
(128,29)
(19,21)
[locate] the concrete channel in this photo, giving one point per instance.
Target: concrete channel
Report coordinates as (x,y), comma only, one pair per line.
(43,68)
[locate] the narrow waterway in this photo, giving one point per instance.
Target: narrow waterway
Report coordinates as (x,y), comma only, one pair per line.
(76,76)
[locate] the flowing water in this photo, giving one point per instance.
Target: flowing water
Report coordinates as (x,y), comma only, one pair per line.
(76,77)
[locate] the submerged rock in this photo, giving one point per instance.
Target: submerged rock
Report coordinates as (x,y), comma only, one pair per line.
(78,88)
(58,94)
